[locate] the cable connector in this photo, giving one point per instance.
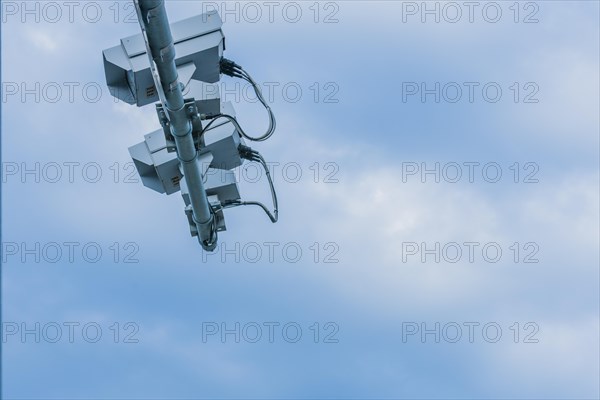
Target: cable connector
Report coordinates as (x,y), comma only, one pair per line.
(228,67)
(204,117)
(246,152)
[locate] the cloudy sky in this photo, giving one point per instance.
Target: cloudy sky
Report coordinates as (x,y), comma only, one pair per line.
(437,172)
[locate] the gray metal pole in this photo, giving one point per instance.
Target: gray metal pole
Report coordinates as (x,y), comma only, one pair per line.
(162,48)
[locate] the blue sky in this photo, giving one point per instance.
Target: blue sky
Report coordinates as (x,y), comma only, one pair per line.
(366,222)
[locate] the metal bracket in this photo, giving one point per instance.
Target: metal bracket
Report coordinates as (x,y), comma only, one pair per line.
(218,213)
(192,112)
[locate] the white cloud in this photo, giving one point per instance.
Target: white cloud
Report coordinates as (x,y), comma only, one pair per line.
(42,40)
(564,363)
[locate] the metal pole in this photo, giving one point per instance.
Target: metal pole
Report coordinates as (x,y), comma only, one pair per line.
(160,42)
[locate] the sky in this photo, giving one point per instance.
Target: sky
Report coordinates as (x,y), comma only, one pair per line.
(437,171)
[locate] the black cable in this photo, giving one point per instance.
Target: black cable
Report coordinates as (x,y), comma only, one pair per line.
(232,204)
(232,69)
(252,155)
(272,187)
